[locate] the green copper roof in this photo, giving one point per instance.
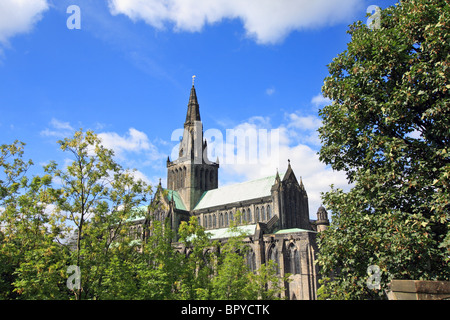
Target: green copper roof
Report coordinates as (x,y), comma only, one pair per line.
(237,192)
(138,213)
(177,198)
(246,230)
(293,230)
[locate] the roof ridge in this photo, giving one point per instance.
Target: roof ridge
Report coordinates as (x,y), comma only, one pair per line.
(237,192)
(243,182)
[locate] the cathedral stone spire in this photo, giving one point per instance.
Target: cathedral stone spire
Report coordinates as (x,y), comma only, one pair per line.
(192,173)
(193,112)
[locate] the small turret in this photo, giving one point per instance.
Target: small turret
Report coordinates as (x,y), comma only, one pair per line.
(322,219)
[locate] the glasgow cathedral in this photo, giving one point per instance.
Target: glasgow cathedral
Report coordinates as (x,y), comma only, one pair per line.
(273,211)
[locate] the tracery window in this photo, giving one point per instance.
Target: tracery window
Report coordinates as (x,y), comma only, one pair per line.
(293,260)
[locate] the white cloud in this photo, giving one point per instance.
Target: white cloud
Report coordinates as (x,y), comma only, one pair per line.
(59,129)
(415,134)
(134,150)
(57,124)
(305,128)
(293,141)
(270,91)
(19,16)
(134,141)
(266,21)
(320,101)
(303,122)
(139,175)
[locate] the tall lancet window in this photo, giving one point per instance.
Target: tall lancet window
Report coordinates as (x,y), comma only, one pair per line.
(273,255)
(251,260)
(293,260)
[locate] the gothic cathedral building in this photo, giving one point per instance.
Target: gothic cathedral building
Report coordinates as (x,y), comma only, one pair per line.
(274,211)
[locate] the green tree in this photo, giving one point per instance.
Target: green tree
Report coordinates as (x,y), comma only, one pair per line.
(388,129)
(198,263)
(234,280)
(13,171)
(32,258)
(39,236)
(160,264)
(99,198)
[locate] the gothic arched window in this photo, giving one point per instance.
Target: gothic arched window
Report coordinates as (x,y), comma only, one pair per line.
(294,260)
(263,213)
(273,255)
(251,260)
(258,217)
(269,212)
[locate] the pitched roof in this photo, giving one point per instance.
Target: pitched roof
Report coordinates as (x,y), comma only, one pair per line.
(138,213)
(293,230)
(236,193)
(246,230)
(176,198)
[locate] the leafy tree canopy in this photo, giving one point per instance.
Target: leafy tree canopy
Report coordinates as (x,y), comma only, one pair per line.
(388,128)
(76,223)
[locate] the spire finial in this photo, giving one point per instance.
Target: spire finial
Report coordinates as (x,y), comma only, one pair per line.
(193,79)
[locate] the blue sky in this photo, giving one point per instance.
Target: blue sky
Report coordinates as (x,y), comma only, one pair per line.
(126,74)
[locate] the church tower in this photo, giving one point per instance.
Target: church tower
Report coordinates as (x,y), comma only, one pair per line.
(192,173)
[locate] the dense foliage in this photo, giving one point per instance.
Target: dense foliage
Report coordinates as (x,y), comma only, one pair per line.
(388,128)
(66,235)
